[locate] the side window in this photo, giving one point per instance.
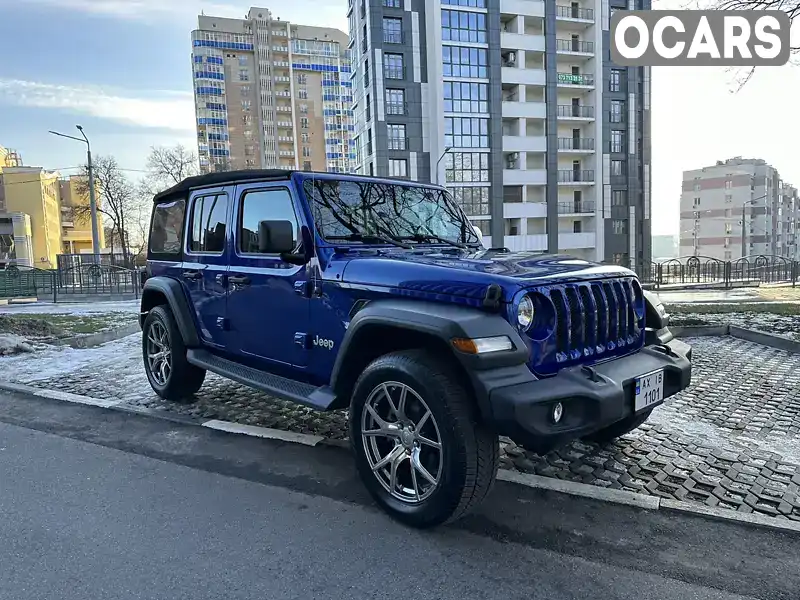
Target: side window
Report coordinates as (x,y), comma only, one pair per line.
(166,229)
(264,205)
(207,224)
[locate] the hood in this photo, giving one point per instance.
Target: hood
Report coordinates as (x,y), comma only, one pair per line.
(461,272)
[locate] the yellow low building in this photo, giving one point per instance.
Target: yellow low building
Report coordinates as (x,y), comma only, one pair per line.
(41,216)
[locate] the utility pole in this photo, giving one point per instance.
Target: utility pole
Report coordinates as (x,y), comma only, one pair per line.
(438,179)
(744,238)
(92,196)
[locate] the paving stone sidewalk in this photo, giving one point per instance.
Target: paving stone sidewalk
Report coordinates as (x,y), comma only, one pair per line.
(732,440)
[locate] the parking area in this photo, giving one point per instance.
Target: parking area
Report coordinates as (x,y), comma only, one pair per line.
(731,440)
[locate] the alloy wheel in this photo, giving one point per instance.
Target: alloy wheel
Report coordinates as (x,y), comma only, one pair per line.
(159,355)
(402,442)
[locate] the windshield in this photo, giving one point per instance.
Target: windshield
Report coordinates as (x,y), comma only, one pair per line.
(349,209)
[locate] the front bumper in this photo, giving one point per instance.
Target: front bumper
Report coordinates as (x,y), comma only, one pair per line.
(593,397)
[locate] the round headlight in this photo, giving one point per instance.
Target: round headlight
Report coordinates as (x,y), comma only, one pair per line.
(525,313)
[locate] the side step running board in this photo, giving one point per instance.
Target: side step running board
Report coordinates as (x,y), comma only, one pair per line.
(318,398)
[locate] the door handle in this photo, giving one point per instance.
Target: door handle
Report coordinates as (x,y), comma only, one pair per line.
(239,279)
(192,275)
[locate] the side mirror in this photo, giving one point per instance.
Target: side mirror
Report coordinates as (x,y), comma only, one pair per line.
(275,237)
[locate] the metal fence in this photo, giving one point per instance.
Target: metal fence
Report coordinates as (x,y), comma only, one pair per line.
(72,283)
(705,271)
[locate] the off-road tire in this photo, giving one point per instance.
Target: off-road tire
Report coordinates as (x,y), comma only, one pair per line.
(184,379)
(470,450)
(618,429)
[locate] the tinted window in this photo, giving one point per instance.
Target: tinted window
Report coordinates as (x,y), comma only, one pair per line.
(166,230)
(207,226)
(264,205)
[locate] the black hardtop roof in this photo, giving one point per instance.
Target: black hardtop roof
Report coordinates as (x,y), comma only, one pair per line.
(225,177)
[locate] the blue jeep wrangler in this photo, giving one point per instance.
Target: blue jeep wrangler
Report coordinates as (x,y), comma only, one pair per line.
(377,296)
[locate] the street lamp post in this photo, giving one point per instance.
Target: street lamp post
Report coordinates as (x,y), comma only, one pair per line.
(744,223)
(92,197)
(446,150)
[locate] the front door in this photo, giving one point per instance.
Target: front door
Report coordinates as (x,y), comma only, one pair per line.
(267,305)
(205,262)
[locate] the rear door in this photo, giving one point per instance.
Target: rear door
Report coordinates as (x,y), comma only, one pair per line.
(205,262)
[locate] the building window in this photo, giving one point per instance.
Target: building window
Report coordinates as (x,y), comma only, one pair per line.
(471,3)
(617,141)
(367,110)
(619,226)
(302,79)
(304,123)
(617,108)
(615,81)
(464,62)
(697,202)
(466,97)
(306,165)
(620,258)
(306,151)
(302,94)
(393,66)
(395,102)
(728,198)
(244,75)
(459,26)
(392,31)
(474,201)
(466,166)
(304,138)
(576,227)
(465,132)
(242,59)
(619,197)
(397,136)
(618,168)
(391,3)
(398,167)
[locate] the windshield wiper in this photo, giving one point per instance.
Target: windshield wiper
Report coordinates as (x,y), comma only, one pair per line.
(426,237)
(369,237)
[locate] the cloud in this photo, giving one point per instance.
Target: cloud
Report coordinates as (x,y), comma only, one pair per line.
(155,109)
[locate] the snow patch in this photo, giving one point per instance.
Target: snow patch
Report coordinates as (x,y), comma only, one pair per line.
(65,308)
(13,344)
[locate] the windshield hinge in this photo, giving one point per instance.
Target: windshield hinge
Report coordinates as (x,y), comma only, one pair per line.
(493,297)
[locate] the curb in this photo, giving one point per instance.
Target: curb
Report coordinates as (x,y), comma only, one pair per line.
(771,340)
(95,339)
(583,490)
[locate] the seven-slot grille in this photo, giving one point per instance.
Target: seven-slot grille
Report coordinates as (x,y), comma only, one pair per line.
(594,317)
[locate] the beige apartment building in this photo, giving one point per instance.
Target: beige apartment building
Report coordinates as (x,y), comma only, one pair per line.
(271,94)
(734,200)
(41,216)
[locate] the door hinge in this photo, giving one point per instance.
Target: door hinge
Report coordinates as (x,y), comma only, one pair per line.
(224,323)
(301,339)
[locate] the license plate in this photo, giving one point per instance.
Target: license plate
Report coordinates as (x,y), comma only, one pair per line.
(649,390)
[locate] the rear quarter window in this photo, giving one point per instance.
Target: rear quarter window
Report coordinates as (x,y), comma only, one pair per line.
(166,229)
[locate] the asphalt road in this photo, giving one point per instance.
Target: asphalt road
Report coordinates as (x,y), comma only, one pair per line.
(97,503)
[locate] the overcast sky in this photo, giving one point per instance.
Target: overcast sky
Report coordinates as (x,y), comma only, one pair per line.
(121,69)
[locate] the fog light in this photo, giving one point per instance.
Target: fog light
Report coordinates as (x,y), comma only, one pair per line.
(558,411)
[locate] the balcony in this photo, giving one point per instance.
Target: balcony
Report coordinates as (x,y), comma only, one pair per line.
(577,145)
(286,139)
(576,177)
(524,143)
(583,207)
(523,76)
(537,242)
(284,93)
(529,8)
(283,108)
(575,47)
(286,153)
(396,108)
(574,241)
(285,125)
(575,80)
(524,177)
(281,79)
(575,14)
(524,210)
(518,41)
(527,110)
(570,112)
(67,223)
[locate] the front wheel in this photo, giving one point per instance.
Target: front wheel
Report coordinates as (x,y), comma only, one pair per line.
(420,448)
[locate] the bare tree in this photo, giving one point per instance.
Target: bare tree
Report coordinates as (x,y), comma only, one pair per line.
(168,166)
(790,7)
(117,200)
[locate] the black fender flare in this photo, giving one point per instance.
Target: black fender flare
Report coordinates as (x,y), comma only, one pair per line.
(444,322)
(172,291)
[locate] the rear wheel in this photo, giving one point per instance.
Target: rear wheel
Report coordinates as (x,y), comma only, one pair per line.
(618,429)
(419,446)
(171,376)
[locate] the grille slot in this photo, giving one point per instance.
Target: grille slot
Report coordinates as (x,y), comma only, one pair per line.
(593,317)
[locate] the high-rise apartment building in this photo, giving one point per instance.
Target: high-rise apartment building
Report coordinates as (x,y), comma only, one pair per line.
(271,94)
(515,106)
(734,200)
